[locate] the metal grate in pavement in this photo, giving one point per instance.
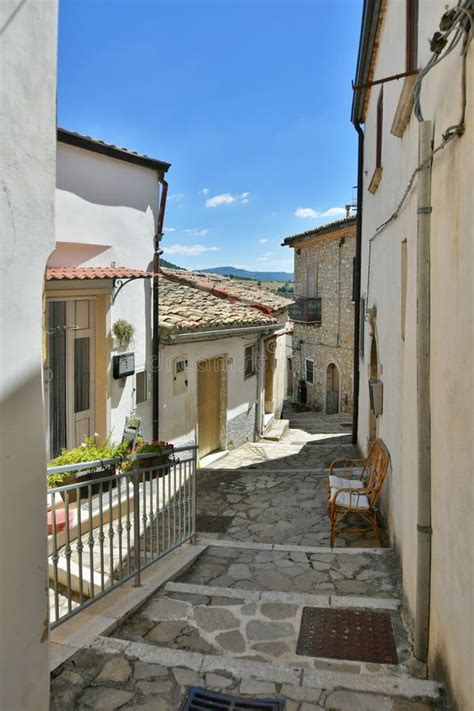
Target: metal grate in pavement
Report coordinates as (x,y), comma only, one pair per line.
(203,700)
(206,523)
(358,635)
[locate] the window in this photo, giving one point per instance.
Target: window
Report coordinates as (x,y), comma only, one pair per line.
(378,148)
(311,281)
(250,361)
(411,35)
(309,370)
(141,386)
(403,289)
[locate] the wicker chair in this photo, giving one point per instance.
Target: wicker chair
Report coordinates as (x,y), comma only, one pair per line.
(357,490)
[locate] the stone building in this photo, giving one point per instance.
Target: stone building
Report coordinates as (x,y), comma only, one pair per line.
(323,315)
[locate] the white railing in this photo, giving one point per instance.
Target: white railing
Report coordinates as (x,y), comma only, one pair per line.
(107,527)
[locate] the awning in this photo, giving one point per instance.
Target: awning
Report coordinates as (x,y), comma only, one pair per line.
(55,273)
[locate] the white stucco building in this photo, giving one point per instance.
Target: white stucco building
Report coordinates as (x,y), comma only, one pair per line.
(416,334)
(27,150)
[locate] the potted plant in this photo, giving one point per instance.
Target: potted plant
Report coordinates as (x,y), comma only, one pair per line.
(163,454)
(123,332)
(88,451)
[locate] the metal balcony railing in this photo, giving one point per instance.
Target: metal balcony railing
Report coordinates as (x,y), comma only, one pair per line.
(306,310)
(108,527)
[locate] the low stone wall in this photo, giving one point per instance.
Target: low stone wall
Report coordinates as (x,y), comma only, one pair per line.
(241,429)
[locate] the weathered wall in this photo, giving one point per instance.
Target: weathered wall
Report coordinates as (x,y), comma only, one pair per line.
(27,148)
(451,645)
(332,341)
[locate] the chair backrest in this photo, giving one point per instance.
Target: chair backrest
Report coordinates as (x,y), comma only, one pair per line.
(378,460)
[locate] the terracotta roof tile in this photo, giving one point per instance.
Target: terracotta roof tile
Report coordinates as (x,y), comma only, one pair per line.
(236,290)
(53,273)
(322,229)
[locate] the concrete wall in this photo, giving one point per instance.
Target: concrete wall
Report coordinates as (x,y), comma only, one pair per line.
(451,646)
(332,341)
(27,148)
(105,216)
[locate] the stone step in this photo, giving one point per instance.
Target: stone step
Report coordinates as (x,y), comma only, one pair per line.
(290,598)
(297,680)
(227,543)
(276,430)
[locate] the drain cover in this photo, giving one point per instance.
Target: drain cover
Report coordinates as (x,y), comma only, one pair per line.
(201,699)
(359,635)
(212,524)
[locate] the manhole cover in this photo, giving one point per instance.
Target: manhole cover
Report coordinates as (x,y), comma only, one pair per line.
(359,635)
(205,523)
(201,699)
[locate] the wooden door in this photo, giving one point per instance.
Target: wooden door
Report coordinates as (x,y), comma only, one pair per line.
(270,365)
(332,390)
(209,386)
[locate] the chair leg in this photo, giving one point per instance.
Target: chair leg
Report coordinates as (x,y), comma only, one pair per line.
(376,528)
(332,525)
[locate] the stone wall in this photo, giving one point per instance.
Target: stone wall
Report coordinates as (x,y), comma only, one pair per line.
(332,341)
(241,429)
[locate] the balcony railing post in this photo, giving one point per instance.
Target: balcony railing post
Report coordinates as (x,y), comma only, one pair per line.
(136,523)
(193,499)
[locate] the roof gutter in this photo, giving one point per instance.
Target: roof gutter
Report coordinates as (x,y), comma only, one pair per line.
(368,33)
(156,309)
(223,333)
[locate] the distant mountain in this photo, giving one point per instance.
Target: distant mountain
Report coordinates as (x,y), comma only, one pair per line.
(168,265)
(245,274)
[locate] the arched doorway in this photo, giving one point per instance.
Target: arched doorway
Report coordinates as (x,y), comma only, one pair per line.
(373,374)
(332,389)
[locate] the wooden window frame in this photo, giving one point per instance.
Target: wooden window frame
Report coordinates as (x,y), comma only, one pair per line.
(252,359)
(411,35)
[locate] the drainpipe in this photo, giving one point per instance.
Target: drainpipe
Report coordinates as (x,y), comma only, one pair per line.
(357,268)
(424,531)
(260,387)
(156,309)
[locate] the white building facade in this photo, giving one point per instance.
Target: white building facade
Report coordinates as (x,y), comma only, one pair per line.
(416,334)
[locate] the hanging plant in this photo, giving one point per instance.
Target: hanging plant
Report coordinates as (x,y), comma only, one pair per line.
(123,332)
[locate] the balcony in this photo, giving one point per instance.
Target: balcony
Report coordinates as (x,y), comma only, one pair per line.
(306,310)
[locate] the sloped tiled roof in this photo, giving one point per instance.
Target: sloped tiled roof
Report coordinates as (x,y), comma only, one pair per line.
(234,289)
(321,230)
(185,308)
(96,145)
(53,273)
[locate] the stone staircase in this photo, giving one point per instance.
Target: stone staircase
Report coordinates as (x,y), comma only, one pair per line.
(276,430)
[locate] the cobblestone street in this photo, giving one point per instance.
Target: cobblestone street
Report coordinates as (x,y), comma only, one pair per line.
(231,622)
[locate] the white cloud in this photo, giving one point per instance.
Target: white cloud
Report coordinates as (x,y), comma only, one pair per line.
(308,212)
(190,250)
(227,199)
(204,191)
(197,233)
(263,241)
(169,229)
(176,196)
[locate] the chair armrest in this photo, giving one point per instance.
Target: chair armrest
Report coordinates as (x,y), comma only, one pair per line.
(345,463)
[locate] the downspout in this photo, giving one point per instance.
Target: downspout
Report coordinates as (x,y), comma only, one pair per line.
(423,332)
(357,268)
(156,308)
(260,389)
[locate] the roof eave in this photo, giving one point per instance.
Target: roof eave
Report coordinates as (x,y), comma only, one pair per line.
(75,139)
(368,33)
(323,231)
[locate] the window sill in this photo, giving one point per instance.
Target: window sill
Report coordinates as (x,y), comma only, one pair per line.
(404,107)
(375,182)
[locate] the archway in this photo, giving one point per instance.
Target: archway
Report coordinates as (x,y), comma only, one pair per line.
(332,389)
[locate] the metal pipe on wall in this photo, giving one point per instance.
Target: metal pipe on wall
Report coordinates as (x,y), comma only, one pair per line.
(424,531)
(357,268)
(156,309)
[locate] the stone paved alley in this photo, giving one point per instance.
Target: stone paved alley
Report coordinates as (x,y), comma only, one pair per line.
(231,621)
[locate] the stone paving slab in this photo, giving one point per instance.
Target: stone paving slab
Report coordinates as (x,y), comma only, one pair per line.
(139,679)
(297,571)
(267,507)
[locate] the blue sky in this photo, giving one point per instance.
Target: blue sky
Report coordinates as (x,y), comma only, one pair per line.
(248,99)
